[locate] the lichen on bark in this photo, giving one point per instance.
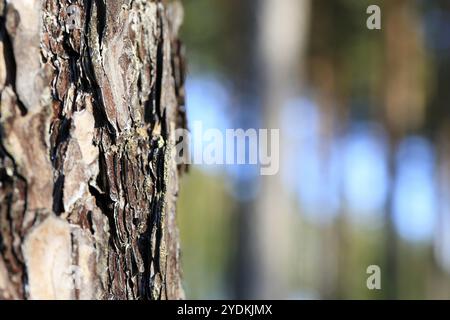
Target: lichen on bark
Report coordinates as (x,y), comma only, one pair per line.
(88,177)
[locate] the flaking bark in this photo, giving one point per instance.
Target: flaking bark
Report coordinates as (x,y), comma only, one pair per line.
(87,171)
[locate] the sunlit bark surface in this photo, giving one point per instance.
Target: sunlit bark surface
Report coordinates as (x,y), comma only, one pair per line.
(90,99)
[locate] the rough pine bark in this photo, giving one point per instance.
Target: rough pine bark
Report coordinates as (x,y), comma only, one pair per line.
(91,93)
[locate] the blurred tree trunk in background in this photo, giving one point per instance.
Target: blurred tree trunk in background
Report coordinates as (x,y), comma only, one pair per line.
(405,101)
(91,96)
(325,68)
(264,231)
(283,34)
(439,125)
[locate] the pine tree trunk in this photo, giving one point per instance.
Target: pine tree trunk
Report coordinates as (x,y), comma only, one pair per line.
(91,95)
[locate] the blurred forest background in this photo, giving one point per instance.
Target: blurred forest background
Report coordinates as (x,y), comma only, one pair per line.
(365,149)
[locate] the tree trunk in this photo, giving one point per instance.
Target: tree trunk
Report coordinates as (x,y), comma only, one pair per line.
(283,28)
(91,95)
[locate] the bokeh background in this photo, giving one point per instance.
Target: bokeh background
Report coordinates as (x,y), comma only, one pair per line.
(364,119)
